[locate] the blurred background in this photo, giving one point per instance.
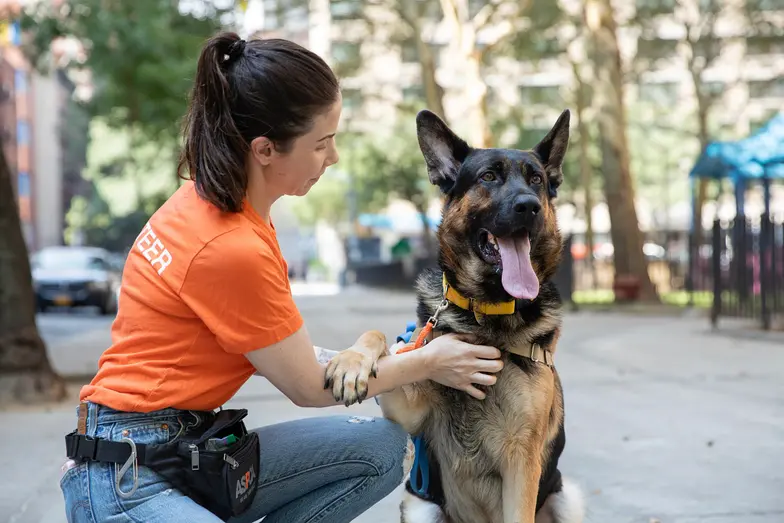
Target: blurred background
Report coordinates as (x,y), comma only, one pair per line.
(671,210)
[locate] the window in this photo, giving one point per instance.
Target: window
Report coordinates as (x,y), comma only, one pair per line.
(656,6)
(714,89)
(474,6)
(352,98)
(278,15)
(767,88)
(345,52)
(764,5)
(409,52)
(665,93)
(346,57)
(656,48)
(345,9)
(413,93)
(764,45)
(540,94)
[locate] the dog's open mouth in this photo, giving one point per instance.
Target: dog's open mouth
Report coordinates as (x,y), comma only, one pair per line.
(512,255)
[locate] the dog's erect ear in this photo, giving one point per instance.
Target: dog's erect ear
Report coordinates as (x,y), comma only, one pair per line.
(552,149)
(444,152)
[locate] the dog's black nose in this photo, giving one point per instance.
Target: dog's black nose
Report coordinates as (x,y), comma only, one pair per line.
(527,206)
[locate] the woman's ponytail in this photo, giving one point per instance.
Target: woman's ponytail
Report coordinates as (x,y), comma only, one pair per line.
(244,90)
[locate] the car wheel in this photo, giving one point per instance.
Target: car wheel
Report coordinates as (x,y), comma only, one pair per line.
(105,308)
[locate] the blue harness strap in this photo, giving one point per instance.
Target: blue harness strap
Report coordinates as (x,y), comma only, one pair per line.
(406,336)
(420,472)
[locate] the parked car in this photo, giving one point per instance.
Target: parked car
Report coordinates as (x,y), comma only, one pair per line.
(74,277)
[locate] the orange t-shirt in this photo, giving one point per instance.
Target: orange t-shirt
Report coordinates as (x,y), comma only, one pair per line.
(200,289)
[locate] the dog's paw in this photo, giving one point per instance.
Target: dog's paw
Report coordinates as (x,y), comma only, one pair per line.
(348,372)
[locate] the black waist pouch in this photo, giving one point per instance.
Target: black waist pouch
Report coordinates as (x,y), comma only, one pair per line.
(219,475)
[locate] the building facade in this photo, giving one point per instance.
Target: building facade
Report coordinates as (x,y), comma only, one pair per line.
(32,121)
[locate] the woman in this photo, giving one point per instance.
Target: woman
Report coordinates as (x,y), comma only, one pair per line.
(206,304)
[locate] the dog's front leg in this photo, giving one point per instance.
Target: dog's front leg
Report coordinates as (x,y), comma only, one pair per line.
(520,479)
(407,406)
(523,455)
(348,371)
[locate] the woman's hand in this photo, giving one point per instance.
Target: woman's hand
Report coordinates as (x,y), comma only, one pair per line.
(453,362)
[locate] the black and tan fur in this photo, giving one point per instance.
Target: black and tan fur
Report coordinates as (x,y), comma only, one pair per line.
(493,460)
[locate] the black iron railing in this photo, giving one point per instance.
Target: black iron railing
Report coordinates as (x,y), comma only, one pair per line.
(748,269)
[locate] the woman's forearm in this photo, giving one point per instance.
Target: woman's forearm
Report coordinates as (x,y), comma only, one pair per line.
(393,371)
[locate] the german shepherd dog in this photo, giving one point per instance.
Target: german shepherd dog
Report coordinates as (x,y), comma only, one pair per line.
(493,460)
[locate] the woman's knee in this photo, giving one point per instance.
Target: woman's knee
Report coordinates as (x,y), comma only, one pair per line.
(395,450)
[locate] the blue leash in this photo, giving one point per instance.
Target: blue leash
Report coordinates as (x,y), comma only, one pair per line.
(420,471)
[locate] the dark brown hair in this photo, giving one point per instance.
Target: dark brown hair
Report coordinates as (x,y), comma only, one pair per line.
(244,90)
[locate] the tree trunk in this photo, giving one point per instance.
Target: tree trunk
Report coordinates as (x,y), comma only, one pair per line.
(477,96)
(25,372)
(434,93)
(703,106)
(586,179)
(586,172)
(627,239)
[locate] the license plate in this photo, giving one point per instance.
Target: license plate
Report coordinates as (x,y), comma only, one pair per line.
(62,300)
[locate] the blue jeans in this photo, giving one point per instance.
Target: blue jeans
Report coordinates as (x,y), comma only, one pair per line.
(328,469)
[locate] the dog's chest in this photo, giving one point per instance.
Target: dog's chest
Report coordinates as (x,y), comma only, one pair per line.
(486,428)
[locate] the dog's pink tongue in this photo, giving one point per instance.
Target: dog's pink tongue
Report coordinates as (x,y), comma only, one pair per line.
(518,276)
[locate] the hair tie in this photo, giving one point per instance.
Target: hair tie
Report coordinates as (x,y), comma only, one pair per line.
(235,51)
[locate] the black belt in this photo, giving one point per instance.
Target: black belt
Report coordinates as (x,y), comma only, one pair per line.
(79,447)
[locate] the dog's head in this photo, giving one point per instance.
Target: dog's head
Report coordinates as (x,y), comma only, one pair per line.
(498,235)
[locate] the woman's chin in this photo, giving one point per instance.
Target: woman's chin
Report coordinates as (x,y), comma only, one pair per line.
(307,187)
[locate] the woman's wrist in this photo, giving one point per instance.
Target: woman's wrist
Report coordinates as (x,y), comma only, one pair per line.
(420,364)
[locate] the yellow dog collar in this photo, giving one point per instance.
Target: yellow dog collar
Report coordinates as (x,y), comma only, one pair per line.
(480,307)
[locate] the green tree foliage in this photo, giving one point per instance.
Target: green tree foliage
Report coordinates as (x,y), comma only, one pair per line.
(141,55)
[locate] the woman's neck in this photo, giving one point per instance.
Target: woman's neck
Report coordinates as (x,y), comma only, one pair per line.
(260,197)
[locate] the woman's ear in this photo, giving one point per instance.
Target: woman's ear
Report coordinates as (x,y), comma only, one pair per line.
(262,150)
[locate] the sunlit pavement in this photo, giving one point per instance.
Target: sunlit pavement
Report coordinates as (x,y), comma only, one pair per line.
(665,420)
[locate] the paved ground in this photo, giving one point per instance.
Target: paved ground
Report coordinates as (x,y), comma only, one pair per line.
(665,420)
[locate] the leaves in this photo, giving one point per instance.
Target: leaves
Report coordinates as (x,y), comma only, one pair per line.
(142,55)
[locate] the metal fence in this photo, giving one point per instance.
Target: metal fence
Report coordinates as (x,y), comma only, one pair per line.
(747,269)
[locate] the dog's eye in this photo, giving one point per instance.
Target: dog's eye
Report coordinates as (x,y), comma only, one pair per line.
(488,176)
(536,179)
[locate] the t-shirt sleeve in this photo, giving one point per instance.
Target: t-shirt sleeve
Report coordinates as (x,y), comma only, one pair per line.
(242,294)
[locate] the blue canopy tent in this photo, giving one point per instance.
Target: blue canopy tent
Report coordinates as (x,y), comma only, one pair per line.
(758,157)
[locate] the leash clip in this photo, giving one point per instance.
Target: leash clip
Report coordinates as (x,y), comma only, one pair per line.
(433,320)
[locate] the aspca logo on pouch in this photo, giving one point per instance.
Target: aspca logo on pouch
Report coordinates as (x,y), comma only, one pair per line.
(245,483)
(153,250)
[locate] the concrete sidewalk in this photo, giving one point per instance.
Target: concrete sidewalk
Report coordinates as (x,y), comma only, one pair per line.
(665,419)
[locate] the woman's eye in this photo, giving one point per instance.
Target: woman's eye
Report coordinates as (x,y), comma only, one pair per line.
(536,179)
(488,176)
